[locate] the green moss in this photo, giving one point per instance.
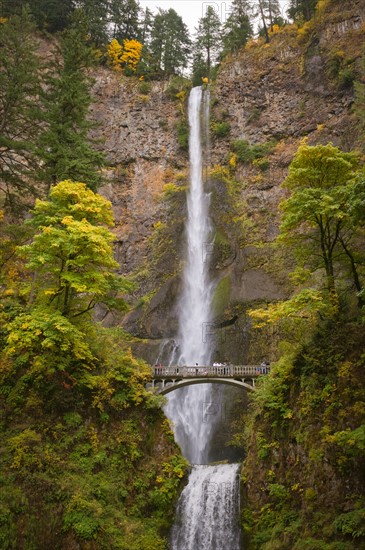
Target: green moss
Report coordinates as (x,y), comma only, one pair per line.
(221,295)
(182,129)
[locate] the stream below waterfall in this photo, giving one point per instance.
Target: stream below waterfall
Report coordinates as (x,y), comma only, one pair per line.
(207,514)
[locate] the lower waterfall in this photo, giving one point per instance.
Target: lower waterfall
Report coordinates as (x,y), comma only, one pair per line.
(207,513)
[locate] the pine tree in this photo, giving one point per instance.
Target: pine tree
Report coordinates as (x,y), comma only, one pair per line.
(124,18)
(96,13)
(270,14)
(65,148)
(208,38)
(50,15)
(238,28)
(199,68)
(302,9)
(19,116)
(170,43)
(146,27)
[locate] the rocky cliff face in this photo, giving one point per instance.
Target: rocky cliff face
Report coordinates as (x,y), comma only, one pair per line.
(299,85)
(137,132)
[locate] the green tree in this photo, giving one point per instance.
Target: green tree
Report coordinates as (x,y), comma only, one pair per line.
(170,43)
(321,218)
(146,27)
(71,253)
(199,68)
(96,14)
(269,13)
(238,28)
(209,38)
(124,18)
(302,9)
(19,117)
(50,15)
(65,148)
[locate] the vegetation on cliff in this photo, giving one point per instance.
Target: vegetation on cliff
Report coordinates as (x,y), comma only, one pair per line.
(86,456)
(305,431)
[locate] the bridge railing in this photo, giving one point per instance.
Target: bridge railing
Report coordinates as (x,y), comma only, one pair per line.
(221,371)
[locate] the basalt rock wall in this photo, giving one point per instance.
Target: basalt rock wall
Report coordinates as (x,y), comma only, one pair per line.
(300,85)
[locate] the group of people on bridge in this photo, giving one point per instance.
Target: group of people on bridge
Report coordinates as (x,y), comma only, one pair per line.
(264,368)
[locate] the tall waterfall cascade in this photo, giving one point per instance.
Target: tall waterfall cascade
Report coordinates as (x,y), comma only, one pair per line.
(206,517)
(186,407)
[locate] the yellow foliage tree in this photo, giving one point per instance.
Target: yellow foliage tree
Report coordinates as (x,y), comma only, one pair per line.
(114,54)
(132,51)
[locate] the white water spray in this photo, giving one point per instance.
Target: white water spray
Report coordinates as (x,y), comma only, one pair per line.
(187,408)
(207,513)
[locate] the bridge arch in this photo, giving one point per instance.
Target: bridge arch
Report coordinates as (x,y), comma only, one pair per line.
(168,379)
(170,386)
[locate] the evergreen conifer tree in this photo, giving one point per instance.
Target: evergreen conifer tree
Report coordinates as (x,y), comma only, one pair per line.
(208,38)
(19,115)
(301,9)
(65,148)
(51,15)
(238,28)
(146,27)
(270,14)
(96,13)
(124,17)
(170,43)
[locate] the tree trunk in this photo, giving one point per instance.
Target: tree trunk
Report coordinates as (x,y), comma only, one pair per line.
(208,62)
(267,39)
(354,273)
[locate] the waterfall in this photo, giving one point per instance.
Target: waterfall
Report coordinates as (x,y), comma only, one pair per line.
(207,513)
(208,508)
(196,296)
(187,408)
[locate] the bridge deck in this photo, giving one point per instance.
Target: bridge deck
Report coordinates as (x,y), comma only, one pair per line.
(223,371)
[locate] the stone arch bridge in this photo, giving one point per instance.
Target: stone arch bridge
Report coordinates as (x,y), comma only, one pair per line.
(168,379)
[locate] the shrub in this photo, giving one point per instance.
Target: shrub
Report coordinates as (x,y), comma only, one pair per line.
(220,129)
(177,85)
(248,153)
(346,77)
(351,523)
(83,516)
(263,164)
(144,87)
